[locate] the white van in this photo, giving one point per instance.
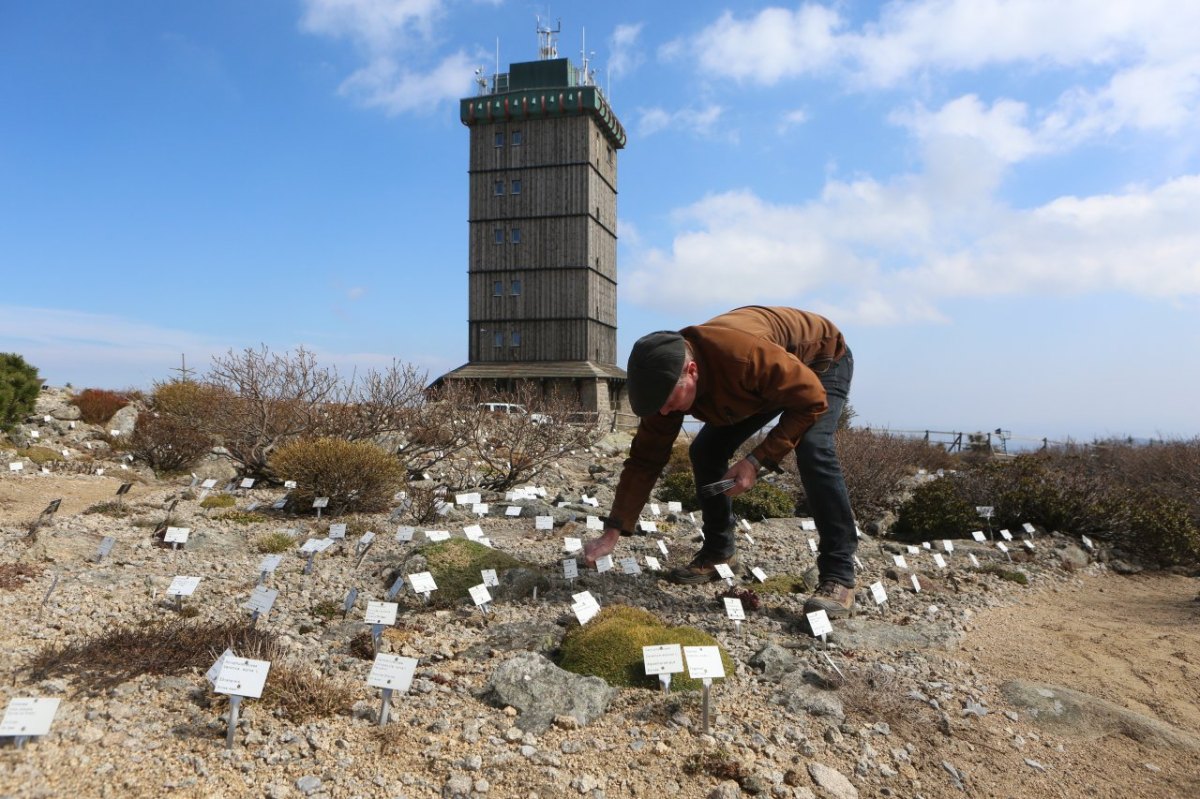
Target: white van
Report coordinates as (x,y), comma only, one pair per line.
(512,407)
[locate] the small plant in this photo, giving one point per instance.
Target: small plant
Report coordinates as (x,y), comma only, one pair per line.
(750,600)
(40,455)
(19,387)
(1010,575)
(14,575)
(111,508)
(97,405)
(764,501)
(274,543)
(455,565)
(241,517)
(362,646)
(326,609)
(218,501)
(790,583)
(679,486)
(716,763)
(355,475)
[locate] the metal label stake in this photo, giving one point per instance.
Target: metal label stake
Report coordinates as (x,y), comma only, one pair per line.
(385,705)
(704,702)
(665,679)
(235,702)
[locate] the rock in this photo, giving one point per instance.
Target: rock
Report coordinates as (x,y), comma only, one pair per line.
(541,690)
(773,661)
(1124,567)
(832,781)
(726,790)
(1066,711)
(1072,557)
(458,786)
(882,636)
(123,421)
(798,693)
(308,785)
(531,636)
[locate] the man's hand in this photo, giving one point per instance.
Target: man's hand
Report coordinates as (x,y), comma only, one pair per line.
(744,474)
(599,547)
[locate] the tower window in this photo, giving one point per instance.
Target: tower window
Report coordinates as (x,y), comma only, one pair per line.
(514,338)
(516,235)
(515,288)
(498,340)
(516,186)
(499,188)
(499,138)
(497,288)
(499,233)
(516,138)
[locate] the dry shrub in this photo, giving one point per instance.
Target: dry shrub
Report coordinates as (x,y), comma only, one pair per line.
(870,694)
(168,443)
(875,465)
(15,575)
(355,475)
(97,405)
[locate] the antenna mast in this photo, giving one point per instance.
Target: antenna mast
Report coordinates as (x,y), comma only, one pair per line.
(547,46)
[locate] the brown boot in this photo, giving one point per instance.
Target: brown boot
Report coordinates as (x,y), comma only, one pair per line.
(702,569)
(834,598)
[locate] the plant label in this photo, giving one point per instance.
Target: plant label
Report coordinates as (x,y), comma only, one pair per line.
(749,538)
(1027,544)
(734,609)
(480,594)
(984,511)
(367,539)
(337,531)
(381,613)
(926,545)
(745,525)
(512,510)
(675,507)
(397,584)
(215,668)
(916,583)
(422,582)
(247,482)
(878,593)
(1006,535)
(404,534)
(630,566)
(468,499)
(176,535)
(1087,542)
(585,606)
(808,525)
(978,535)
(703,662)
(480,508)
(261,600)
(818,621)
(662,659)
(604,564)
(321,502)
(939,560)
(183,585)
(974,560)
(570,568)
(1029,528)
(106,545)
(437,535)
(1000,546)
(392,672)
(759,574)
(16,466)
(662,547)
(652,563)
(948,545)
(473,532)
(649,526)
(594,523)
(490,579)
(900,561)
(812,545)
(209,484)
(654,509)
(543,523)
(242,677)
(351,598)
(595,503)
(28,716)
(724,572)
(289,485)
(310,546)
(572,544)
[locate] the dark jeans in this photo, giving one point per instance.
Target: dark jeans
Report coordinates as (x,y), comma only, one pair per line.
(820,473)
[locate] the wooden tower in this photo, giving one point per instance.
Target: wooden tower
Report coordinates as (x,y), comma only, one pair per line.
(542,264)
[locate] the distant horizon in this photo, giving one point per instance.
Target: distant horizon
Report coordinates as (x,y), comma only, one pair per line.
(996,204)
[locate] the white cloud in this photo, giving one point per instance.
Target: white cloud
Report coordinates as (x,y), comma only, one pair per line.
(625,55)
(794,118)
(691,120)
(377,25)
(395,88)
(886,252)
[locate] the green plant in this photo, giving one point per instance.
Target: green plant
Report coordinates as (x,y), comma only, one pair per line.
(40,455)
(168,443)
(1159,529)
(19,387)
(1010,575)
(241,517)
(679,486)
(935,510)
(274,543)
(790,583)
(110,508)
(97,405)
(610,647)
(326,609)
(764,501)
(355,475)
(455,565)
(218,501)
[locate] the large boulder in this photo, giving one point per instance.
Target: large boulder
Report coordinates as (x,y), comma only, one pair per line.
(539,690)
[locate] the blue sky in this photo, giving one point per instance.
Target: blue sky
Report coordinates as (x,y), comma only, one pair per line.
(999,202)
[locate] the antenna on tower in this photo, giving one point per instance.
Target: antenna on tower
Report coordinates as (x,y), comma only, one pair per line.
(547,46)
(480,80)
(589,75)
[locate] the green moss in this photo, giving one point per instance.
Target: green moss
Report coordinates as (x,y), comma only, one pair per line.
(610,647)
(456,565)
(326,609)
(789,583)
(1011,575)
(242,517)
(218,501)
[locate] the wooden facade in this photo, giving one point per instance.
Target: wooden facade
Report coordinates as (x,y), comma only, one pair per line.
(542,230)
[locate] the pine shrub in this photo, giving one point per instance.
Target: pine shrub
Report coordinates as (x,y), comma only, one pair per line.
(935,510)
(355,475)
(19,387)
(97,405)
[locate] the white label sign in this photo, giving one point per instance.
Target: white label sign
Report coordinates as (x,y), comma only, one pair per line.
(630,566)
(978,535)
(468,499)
(321,502)
(648,526)
(337,531)
(543,522)
(489,578)
(594,523)
(473,532)
(723,571)
(512,510)
(734,609)
(878,593)
(404,534)
(209,483)
(215,669)
(913,550)
(1000,546)
(177,535)
(604,564)
(652,563)
(570,568)
(812,545)
(1006,535)
(381,613)
(480,594)
(572,544)
(262,599)
(939,560)
(1087,542)
(948,546)
(437,535)
(916,583)
(183,586)
(422,582)
(974,560)
(28,716)
(247,482)
(1028,528)
(900,561)
(662,547)
(585,606)
(759,574)
(16,466)
(480,509)
(675,507)
(818,620)
(654,509)
(242,677)
(662,659)
(704,662)
(392,671)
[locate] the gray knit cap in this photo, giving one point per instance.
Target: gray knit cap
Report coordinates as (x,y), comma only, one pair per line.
(655,364)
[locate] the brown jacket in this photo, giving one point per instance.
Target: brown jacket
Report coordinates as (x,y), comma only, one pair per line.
(750,360)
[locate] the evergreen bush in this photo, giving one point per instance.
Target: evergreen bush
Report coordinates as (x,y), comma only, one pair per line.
(935,510)
(19,387)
